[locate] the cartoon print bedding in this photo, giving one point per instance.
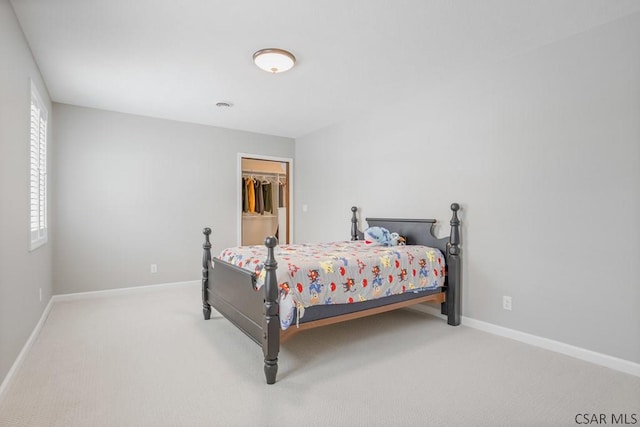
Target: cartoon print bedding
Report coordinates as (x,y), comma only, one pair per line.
(341,272)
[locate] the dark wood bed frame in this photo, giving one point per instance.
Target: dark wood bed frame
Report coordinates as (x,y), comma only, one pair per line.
(231,290)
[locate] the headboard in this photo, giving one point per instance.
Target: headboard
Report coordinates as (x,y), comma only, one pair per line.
(416,231)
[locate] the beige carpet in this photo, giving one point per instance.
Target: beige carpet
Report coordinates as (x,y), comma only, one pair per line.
(149,359)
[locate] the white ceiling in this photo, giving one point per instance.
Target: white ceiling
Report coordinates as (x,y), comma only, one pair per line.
(175,59)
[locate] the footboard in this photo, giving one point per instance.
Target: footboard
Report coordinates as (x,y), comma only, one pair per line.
(231,291)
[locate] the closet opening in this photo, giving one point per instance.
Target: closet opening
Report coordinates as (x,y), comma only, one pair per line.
(265,195)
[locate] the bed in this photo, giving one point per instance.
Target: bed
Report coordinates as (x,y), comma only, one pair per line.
(252,292)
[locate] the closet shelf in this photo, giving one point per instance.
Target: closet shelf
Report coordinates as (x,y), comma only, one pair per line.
(257,216)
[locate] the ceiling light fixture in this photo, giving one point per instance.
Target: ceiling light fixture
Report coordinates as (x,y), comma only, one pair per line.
(274,60)
(224,104)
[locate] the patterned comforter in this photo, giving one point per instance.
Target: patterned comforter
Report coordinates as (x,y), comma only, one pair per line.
(341,272)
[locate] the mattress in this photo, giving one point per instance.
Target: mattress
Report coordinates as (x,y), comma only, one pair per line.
(341,272)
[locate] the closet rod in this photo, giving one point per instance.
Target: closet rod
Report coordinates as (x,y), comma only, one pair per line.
(252,172)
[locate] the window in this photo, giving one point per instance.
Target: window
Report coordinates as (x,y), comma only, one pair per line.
(38,170)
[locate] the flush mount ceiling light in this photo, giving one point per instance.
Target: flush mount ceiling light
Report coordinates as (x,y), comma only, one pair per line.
(274,60)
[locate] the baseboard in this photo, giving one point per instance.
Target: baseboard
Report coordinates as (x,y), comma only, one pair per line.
(25,349)
(605,360)
(71,297)
(119,291)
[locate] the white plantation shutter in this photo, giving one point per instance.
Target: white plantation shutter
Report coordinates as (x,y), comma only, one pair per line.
(38,170)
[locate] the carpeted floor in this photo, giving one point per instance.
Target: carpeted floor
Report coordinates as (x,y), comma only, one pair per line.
(149,359)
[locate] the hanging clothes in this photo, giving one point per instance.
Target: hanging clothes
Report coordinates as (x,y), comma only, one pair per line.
(266,194)
(259,196)
(275,201)
(282,202)
(263,195)
(251,195)
(244,195)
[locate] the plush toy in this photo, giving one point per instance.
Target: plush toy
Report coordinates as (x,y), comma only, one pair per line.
(380,236)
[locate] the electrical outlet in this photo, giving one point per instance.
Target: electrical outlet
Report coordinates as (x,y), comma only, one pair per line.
(506,302)
(154,268)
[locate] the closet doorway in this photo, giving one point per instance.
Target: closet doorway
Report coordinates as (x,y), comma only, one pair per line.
(265,199)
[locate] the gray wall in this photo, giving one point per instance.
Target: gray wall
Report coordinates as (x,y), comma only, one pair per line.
(22,273)
(543,152)
(132,191)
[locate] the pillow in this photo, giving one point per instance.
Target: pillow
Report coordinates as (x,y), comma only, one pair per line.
(380,236)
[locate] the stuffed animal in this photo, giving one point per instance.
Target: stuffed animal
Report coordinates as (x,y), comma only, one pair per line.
(380,236)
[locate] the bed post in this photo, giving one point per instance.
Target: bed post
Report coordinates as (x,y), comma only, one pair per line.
(354,223)
(271,326)
(451,307)
(206,261)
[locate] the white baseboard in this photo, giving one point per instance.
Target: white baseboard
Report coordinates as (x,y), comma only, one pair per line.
(71,297)
(119,291)
(25,349)
(601,359)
